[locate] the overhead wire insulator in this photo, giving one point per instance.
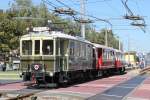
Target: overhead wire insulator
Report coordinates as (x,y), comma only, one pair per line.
(64,11)
(132,17)
(83,21)
(138,24)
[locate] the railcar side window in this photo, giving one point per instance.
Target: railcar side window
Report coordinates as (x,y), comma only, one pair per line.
(88,51)
(83,50)
(72,48)
(57,47)
(27,47)
(78,49)
(47,48)
(104,55)
(37,47)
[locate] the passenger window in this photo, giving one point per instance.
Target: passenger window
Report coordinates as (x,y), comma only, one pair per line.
(72,46)
(57,47)
(27,47)
(47,47)
(37,47)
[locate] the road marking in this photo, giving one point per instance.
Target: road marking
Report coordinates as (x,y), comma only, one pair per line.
(111,95)
(96,85)
(128,87)
(134,98)
(60,91)
(129,94)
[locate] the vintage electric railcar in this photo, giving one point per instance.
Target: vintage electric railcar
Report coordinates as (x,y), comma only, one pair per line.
(55,57)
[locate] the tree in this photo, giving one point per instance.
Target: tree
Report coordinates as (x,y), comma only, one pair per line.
(23,14)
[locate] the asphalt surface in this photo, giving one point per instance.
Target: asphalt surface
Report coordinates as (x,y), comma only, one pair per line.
(127,87)
(120,91)
(4,82)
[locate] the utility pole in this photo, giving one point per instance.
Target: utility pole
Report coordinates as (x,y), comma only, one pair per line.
(106,37)
(82,3)
(128,48)
(119,43)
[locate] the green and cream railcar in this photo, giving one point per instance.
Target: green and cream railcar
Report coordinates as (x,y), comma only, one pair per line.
(54,57)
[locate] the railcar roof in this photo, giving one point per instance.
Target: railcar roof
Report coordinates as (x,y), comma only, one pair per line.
(105,47)
(101,46)
(116,50)
(98,45)
(54,34)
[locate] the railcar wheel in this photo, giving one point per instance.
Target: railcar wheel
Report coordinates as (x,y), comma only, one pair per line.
(122,70)
(100,74)
(106,73)
(63,79)
(26,77)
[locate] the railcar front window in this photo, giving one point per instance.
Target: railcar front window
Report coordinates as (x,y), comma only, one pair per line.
(37,47)
(47,47)
(27,47)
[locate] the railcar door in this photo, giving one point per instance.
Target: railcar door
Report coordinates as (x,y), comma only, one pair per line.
(61,55)
(99,65)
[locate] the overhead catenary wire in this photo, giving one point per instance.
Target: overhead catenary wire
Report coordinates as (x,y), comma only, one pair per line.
(104,20)
(96,18)
(91,16)
(50,3)
(138,8)
(93,2)
(63,4)
(134,18)
(126,6)
(112,7)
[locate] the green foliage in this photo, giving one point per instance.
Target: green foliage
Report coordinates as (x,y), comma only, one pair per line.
(12,27)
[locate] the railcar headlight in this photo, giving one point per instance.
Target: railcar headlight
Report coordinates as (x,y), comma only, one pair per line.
(20,74)
(43,70)
(51,73)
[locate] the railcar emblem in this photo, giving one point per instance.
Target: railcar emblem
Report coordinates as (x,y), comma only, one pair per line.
(36,67)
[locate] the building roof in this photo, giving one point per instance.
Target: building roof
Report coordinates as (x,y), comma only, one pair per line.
(131,52)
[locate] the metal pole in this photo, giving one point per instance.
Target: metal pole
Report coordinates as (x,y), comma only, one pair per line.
(119,43)
(106,36)
(82,3)
(128,48)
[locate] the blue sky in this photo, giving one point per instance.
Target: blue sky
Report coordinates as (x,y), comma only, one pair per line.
(114,11)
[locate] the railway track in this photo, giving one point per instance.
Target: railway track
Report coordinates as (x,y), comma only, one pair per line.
(145,70)
(17,89)
(20,94)
(4,82)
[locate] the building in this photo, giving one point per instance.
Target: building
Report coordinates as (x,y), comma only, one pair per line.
(131,58)
(147,59)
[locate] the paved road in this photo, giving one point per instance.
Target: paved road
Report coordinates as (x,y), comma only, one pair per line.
(128,87)
(85,90)
(2,82)
(120,91)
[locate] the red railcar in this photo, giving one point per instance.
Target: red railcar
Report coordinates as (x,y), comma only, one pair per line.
(108,60)
(119,60)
